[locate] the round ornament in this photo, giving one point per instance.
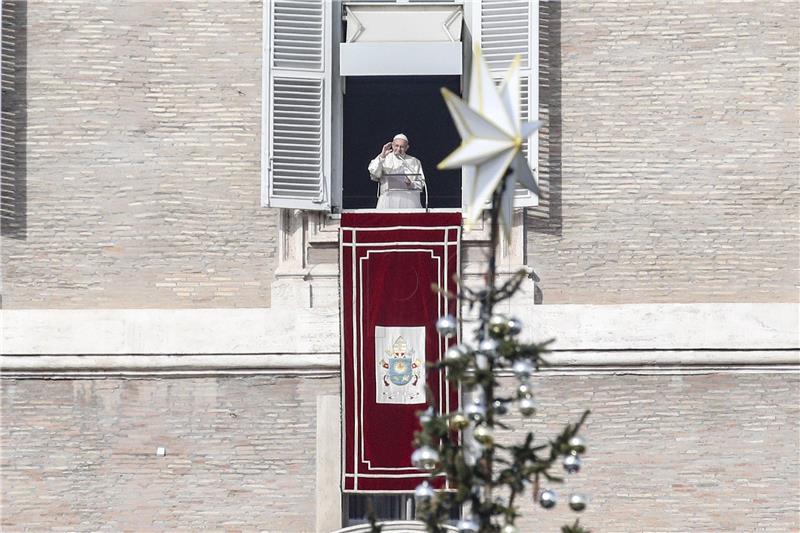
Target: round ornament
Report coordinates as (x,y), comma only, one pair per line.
(498,326)
(572,463)
(522,368)
(458,421)
(483,435)
(447,326)
(577,444)
(488,346)
(509,528)
(424,493)
(577,502)
(426,415)
(475,412)
(548,499)
(456,352)
(525,390)
(500,407)
(477,396)
(527,407)
(514,326)
(425,458)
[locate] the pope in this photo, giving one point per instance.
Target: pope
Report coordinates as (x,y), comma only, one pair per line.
(399,175)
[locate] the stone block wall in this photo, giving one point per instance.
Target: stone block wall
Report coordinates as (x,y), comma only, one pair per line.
(676,451)
(669,159)
(667,452)
(141,148)
(669,163)
(80,455)
(670,153)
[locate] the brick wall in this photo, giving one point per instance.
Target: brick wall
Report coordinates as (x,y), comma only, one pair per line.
(671,152)
(142,157)
(669,162)
(706,452)
(81,454)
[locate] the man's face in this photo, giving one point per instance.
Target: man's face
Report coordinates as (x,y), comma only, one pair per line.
(399,147)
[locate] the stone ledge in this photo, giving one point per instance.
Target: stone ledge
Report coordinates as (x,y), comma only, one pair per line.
(750,332)
(722,326)
(665,361)
(173,331)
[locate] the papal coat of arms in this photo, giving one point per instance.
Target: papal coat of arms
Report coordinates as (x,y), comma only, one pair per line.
(400,364)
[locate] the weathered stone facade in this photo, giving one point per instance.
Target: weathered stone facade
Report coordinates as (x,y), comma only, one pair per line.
(669,164)
(668,452)
(142,154)
(670,153)
(669,160)
(80,455)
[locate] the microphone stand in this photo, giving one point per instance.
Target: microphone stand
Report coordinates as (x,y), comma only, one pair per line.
(424,188)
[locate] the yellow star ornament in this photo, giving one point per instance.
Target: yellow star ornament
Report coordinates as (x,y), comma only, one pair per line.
(491,140)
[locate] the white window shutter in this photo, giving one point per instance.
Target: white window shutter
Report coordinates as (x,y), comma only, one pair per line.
(296,127)
(504,29)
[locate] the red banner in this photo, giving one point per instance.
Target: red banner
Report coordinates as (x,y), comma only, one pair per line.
(389,312)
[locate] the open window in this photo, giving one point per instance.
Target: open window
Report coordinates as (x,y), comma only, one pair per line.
(328,64)
(378,107)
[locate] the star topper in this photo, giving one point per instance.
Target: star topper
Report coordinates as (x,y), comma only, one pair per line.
(492,134)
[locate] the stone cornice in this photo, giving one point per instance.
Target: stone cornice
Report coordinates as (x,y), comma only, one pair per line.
(307,340)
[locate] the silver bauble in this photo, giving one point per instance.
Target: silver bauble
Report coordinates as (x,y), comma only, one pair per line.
(488,346)
(467,525)
(577,444)
(475,412)
(425,458)
(426,415)
(522,368)
(500,407)
(527,406)
(447,326)
(484,435)
(577,502)
(548,499)
(525,390)
(572,463)
(456,352)
(476,395)
(514,326)
(508,528)
(424,493)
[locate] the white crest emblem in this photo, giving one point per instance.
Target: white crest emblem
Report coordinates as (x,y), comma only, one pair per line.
(400,364)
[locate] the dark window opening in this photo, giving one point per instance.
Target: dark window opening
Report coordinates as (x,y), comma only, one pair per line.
(385,507)
(378,107)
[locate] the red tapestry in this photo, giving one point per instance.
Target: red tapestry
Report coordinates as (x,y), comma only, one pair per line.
(389,312)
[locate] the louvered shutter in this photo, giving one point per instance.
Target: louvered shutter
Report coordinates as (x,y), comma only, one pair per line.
(297,122)
(504,29)
(12,190)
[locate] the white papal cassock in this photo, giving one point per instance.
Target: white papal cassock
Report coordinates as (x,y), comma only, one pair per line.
(401,181)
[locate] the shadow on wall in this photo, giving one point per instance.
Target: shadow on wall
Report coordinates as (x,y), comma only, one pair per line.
(547,216)
(13,178)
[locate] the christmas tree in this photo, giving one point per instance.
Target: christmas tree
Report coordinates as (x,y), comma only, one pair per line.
(489,478)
